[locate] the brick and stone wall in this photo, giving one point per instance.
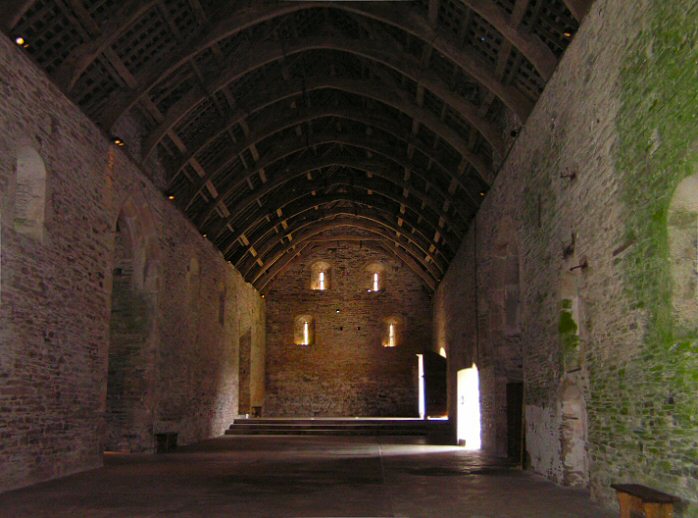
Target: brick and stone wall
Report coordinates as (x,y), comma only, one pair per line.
(608,364)
(346,371)
(177,309)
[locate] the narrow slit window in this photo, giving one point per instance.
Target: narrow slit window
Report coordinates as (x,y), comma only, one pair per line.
(306,333)
(320,276)
(304,330)
(391,333)
(376,281)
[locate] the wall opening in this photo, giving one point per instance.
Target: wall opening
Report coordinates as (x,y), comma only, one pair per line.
(304,330)
(683,249)
(392,330)
(515,439)
(244,364)
(375,278)
(573,435)
(320,276)
(128,420)
(468,419)
(30,194)
(421,388)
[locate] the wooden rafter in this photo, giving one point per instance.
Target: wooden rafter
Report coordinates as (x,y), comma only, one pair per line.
(314,202)
(318,228)
(370,165)
(278,124)
(379,53)
(364,221)
(408,21)
(288,211)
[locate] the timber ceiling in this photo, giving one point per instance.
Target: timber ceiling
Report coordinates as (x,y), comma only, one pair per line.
(283,125)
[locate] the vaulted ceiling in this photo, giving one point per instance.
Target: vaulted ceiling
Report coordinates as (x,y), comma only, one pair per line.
(284,125)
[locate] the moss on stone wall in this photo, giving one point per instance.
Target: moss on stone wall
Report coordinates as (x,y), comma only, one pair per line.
(569,336)
(656,431)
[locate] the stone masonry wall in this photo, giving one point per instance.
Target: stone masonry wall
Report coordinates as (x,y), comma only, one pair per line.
(180,328)
(609,369)
(346,371)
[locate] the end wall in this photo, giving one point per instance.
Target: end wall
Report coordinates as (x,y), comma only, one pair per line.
(346,371)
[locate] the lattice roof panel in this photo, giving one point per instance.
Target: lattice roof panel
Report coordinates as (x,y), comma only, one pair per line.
(427,86)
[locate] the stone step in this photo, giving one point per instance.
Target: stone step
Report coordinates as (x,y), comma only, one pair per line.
(334,426)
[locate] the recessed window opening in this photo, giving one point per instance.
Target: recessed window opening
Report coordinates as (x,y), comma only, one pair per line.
(320,276)
(391,333)
(304,330)
(30,193)
(306,333)
(376,277)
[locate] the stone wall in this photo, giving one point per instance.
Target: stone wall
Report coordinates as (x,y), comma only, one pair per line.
(177,311)
(584,196)
(346,371)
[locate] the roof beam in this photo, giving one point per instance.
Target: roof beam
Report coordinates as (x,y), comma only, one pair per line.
(310,202)
(80,58)
(267,53)
(300,170)
(579,8)
(366,222)
(12,12)
(312,232)
(278,124)
(313,202)
(242,19)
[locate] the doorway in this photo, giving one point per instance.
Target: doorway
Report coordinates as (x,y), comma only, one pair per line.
(468,411)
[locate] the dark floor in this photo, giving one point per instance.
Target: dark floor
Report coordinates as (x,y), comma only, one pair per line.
(303,476)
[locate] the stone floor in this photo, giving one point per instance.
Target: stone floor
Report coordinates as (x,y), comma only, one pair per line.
(303,476)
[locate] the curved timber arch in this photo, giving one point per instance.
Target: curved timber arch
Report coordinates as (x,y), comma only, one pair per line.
(368,165)
(356,220)
(84,55)
(318,228)
(403,64)
(313,243)
(285,149)
(390,98)
(248,226)
(239,231)
(260,239)
(233,24)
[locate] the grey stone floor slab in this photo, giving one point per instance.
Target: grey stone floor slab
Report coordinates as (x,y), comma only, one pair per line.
(266,476)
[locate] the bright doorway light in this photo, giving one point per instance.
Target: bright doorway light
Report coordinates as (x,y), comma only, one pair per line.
(422,399)
(469,408)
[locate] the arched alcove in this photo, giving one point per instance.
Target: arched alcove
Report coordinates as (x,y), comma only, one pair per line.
(393,329)
(30,193)
(320,276)
(375,277)
(573,431)
(129,402)
(304,330)
(683,251)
